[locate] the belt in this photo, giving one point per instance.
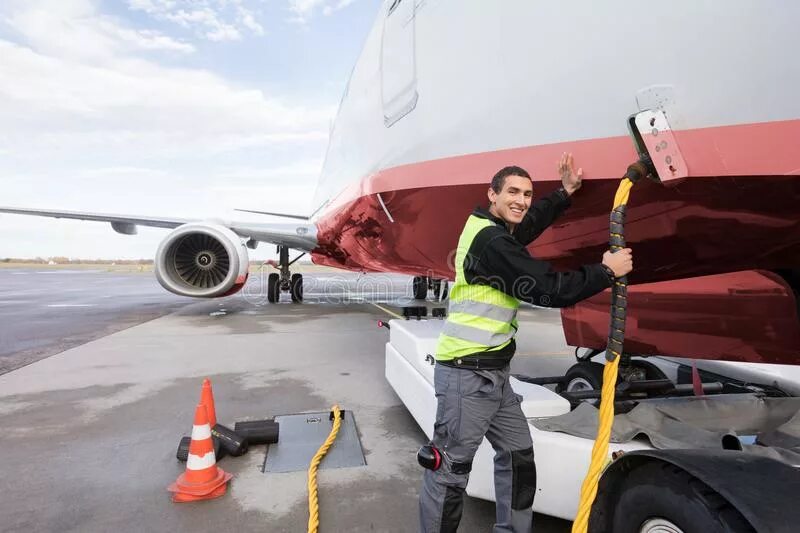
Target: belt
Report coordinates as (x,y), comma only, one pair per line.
(475,363)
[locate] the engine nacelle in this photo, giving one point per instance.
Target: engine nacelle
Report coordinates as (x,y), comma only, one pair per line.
(202,260)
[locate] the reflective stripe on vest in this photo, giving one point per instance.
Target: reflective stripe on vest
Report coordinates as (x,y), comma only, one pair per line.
(471,307)
(481,318)
(476,335)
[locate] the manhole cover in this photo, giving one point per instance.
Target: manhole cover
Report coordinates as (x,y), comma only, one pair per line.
(302,435)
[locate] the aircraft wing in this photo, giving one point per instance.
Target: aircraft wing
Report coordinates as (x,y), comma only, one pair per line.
(301,236)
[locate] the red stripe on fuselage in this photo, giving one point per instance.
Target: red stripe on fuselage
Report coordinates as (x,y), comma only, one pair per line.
(737,211)
(761,149)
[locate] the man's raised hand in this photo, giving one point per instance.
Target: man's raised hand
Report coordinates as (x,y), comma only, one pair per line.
(570,179)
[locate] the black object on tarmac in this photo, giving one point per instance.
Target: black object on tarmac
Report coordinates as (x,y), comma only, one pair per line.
(258,431)
(183,449)
(232,442)
(415,311)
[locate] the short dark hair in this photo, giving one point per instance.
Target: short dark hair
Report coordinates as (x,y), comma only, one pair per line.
(499,179)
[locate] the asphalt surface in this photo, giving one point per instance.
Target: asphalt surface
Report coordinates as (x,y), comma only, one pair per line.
(46,311)
(90,433)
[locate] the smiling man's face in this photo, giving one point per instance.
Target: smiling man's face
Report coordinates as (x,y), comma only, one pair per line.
(513,201)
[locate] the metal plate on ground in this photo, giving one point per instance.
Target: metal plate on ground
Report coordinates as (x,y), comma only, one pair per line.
(302,435)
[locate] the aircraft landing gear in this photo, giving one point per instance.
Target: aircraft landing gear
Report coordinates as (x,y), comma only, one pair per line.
(285,281)
(440,287)
(296,288)
(420,287)
(422,284)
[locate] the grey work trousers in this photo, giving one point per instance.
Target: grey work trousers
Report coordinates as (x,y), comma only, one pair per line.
(471,404)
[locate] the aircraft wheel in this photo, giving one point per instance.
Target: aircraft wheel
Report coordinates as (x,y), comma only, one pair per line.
(420,287)
(583,376)
(662,498)
(273,288)
(297,288)
(440,287)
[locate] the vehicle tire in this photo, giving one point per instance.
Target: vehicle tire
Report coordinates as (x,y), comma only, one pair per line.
(440,287)
(660,497)
(586,375)
(273,288)
(297,288)
(420,287)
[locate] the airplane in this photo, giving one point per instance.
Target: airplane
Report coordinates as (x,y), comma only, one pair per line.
(446,92)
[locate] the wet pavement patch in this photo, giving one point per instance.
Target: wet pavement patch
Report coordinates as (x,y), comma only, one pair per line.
(302,435)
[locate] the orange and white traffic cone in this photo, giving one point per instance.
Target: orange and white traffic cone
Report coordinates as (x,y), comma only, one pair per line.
(207,397)
(202,480)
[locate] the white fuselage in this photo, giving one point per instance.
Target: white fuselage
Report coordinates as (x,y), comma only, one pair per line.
(481,76)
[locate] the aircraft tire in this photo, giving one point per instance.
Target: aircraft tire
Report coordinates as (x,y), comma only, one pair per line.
(297,288)
(440,287)
(420,287)
(273,288)
(663,497)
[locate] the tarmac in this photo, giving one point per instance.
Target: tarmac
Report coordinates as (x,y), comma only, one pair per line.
(90,433)
(45,310)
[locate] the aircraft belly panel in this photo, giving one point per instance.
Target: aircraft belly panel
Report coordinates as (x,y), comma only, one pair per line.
(742,316)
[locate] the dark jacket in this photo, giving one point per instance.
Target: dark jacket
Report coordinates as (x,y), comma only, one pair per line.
(501,259)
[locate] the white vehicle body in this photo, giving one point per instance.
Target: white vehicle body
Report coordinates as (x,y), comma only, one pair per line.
(561,459)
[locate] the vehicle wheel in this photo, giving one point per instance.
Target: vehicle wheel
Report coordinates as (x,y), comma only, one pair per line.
(273,288)
(583,376)
(420,288)
(662,498)
(440,287)
(297,288)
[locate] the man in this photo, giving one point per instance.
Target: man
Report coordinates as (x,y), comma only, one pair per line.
(494,271)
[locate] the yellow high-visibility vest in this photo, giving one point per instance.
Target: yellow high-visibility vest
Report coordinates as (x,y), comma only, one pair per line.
(480,318)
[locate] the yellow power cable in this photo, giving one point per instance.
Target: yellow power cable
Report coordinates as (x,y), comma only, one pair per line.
(313,500)
(606,414)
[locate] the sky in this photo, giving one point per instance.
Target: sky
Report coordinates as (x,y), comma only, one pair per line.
(178,108)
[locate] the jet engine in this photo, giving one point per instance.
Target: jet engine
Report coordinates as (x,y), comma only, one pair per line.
(202,260)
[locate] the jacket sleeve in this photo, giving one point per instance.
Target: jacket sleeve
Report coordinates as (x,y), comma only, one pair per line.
(541,214)
(506,265)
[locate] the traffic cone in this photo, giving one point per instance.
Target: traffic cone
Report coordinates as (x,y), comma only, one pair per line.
(207,397)
(202,480)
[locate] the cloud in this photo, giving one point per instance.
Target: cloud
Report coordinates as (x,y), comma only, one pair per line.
(71,28)
(215,20)
(90,120)
(152,40)
(63,104)
(304,10)
(248,20)
(330,9)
